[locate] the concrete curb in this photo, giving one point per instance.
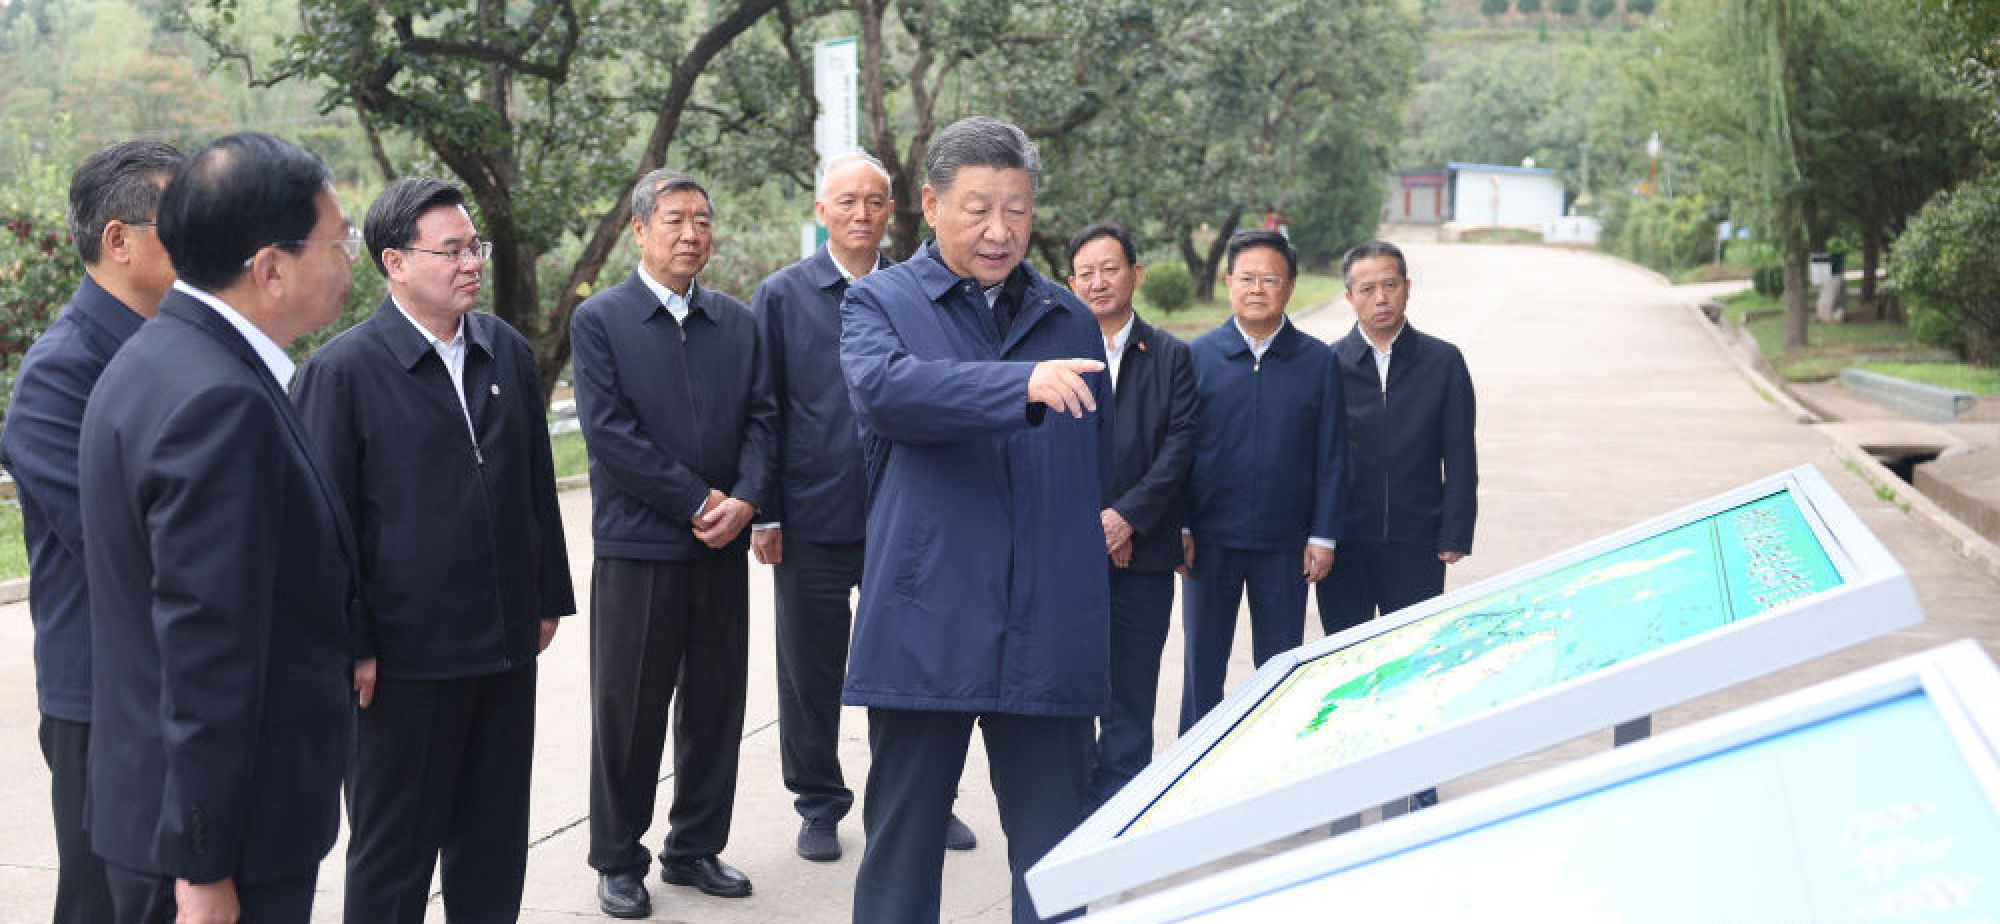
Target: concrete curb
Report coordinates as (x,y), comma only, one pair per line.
(1762,383)
(13,591)
(1970,545)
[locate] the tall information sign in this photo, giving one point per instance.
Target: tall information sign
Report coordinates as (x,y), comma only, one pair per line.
(836,76)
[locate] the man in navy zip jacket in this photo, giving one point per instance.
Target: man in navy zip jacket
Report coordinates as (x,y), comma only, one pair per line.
(987,425)
(113,197)
(1266,494)
(680,430)
(430,418)
(221,563)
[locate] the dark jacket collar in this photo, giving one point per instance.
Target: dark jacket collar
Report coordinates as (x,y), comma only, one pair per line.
(937,278)
(824,273)
(93,303)
(408,345)
(697,298)
(184,307)
(1284,343)
(1355,347)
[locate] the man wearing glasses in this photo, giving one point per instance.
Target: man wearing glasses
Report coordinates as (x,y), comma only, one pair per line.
(1267,490)
(430,419)
(113,197)
(221,564)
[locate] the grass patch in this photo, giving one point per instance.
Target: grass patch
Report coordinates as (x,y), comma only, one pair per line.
(1312,291)
(13,546)
(1830,347)
(1979,380)
(570,456)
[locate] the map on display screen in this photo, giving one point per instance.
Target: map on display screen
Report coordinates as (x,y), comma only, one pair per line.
(1498,648)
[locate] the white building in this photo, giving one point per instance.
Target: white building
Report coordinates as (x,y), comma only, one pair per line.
(1490,196)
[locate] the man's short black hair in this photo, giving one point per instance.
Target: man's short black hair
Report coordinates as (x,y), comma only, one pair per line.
(392,219)
(1250,240)
(1360,252)
(118,183)
(1110,229)
(238,195)
(980,141)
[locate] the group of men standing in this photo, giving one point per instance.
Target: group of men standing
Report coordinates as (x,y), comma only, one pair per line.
(286,579)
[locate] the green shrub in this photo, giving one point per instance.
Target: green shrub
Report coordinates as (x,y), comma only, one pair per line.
(39,269)
(1494,7)
(1667,233)
(1946,271)
(1602,8)
(1168,286)
(1769,281)
(1565,7)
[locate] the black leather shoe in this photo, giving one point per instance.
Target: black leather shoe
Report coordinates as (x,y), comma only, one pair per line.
(819,840)
(623,895)
(957,836)
(709,874)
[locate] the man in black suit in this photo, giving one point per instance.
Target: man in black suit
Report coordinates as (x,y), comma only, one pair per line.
(429,416)
(113,198)
(1153,449)
(220,562)
(1412,471)
(812,529)
(679,426)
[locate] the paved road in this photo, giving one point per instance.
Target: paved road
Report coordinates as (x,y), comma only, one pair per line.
(1603,403)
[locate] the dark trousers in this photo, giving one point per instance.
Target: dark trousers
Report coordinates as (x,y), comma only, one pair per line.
(144,898)
(81,895)
(812,584)
(1039,766)
(1377,577)
(441,767)
(1215,587)
(662,631)
(1142,609)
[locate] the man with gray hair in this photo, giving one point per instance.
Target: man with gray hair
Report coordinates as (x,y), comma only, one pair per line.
(673,407)
(114,196)
(985,419)
(811,531)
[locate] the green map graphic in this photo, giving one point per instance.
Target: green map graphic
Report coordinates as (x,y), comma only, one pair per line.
(1519,640)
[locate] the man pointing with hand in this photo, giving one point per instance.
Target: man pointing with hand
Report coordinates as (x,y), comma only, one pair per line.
(985,419)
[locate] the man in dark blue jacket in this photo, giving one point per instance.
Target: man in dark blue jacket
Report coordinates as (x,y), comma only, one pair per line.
(113,198)
(986,422)
(1412,471)
(1266,494)
(430,418)
(811,532)
(670,397)
(1153,378)
(221,563)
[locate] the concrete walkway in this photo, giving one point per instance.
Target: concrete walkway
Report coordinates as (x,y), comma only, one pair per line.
(1603,402)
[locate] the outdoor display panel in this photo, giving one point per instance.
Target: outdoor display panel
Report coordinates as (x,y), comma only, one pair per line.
(1874,797)
(1772,574)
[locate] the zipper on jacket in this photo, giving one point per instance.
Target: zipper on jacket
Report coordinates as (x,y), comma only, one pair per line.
(1385,468)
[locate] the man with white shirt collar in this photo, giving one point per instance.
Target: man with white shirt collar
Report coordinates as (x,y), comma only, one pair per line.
(220,560)
(1267,491)
(1152,449)
(1413,471)
(430,418)
(813,529)
(680,423)
(1415,474)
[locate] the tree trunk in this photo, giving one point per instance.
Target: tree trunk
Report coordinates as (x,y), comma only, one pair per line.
(1211,267)
(1798,294)
(1871,258)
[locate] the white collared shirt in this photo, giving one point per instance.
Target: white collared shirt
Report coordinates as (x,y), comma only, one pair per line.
(1114,348)
(676,303)
(842,267)
(268,350)
(1257,349)
(453,353)
(1382,357)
